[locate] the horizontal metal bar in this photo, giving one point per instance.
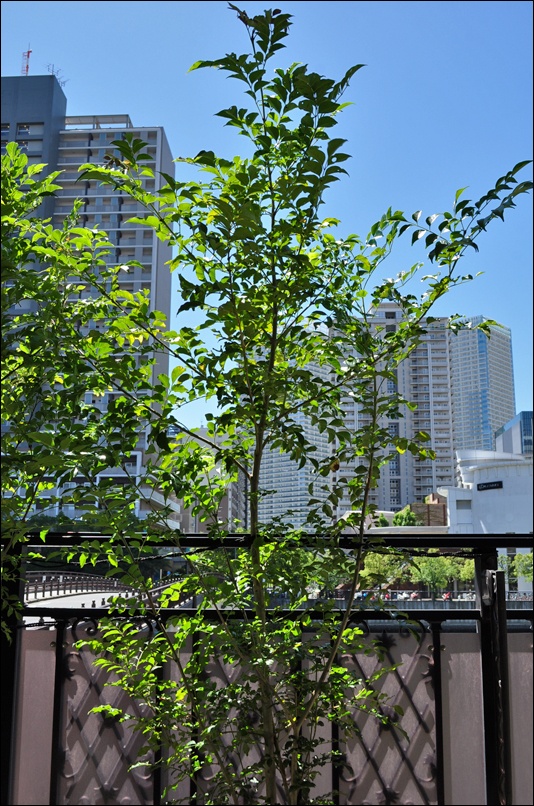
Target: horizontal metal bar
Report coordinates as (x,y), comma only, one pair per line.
(392,616)
(478,543)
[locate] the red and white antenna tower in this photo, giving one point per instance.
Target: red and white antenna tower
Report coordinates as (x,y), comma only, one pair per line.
(25,62)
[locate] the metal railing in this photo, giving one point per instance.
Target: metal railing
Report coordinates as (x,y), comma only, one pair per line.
(489,616)
(47,585)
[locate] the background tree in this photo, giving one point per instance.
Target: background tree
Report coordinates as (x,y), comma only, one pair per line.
(465,570)
(406,518)
(282,314)
(506,564)
(518,565)
(523,565)
(381,521)
(387,569)
(435,572)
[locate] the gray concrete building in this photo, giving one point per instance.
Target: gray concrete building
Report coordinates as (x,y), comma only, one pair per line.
(34,114)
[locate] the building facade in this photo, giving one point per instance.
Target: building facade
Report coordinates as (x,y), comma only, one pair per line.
(482,384)
(285,485)
(34,115)
(463,386)
(515,436)
(494,494)
(422,378)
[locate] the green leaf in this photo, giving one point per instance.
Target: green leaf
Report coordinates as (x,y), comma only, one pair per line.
(520,166)
(417,235)
(43,437)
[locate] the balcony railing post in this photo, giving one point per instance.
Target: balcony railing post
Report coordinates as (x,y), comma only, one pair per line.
(489,585)
(12,588)
(56,765)
(436,650)
(501,657)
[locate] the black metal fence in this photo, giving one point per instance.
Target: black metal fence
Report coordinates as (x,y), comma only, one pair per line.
(464,682)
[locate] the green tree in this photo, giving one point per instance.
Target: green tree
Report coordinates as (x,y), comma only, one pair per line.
(381,521)
(434,572)
(523,565)
(406,518)
(465,569)
(283,310)
(515,566)
(384,568)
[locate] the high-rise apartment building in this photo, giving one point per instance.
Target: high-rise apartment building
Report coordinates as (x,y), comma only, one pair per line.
(33,114)
(232,510)
(422,378)
(288,482)
(463,386)
(482,384)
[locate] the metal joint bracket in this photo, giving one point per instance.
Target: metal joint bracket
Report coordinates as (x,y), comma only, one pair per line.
(488,587)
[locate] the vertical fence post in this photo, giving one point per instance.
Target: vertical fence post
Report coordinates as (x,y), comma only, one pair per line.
(438,707)
(500,626)
(493,647)
(55,764)
(158,757)
(13,589)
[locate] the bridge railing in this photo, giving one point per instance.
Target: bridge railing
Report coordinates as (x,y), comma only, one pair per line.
(47,585)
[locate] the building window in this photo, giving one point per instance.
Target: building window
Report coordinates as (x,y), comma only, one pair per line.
(32,129)
(463,504)
(5,128)
(34,146)
(391,315)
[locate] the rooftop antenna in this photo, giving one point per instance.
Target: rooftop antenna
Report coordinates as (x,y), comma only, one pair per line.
(57,73)
(25,62)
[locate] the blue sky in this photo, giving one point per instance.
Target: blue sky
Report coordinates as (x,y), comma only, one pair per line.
(445,101)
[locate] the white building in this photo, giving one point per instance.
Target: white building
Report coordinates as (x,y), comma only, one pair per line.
(494,496)
(515,436)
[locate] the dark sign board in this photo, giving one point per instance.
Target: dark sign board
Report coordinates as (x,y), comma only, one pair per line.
(490,485)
